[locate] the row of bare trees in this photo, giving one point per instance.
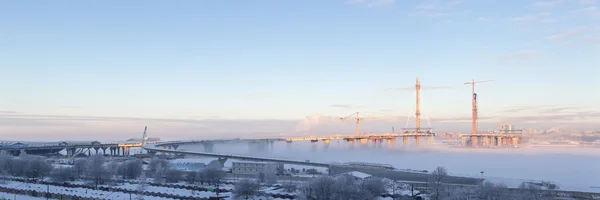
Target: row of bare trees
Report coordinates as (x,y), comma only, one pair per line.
(97,170)
(346,187)
(485,191)
(28,166)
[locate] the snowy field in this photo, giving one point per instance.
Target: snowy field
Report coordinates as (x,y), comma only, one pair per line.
(574,169)
(18,197)
(72,191)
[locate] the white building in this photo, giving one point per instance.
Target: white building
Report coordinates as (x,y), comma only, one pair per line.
(255,168)
(358,175)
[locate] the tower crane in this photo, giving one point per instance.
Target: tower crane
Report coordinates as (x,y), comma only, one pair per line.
(474,101)
(357,118)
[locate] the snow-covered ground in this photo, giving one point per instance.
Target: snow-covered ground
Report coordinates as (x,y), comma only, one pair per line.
(176,190)
(571,168)
(74,191)
(18,197)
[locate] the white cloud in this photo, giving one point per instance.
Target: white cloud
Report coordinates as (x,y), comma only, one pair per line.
(547,3)
(427,14)
(433,8)
(532,17)
(588,2)
(568,34)
(372,2)
(428,6)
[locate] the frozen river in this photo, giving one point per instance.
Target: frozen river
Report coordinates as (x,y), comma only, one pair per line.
(571,168)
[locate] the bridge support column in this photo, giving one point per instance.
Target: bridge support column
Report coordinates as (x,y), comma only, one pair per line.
(515,141)
(313,145)
(71,152)
(175,146)
(486,141)
(474,141)
(390,143)
(405,141)
(350,142)
(418,140)
(499,142)
(104,150)
(364,142)
(96,149)
(430,140)
(252,146)
(208,147)
(326,144)
(464,141)
(263,146)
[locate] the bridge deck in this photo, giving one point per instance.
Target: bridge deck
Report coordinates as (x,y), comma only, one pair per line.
(238,157)
(366,136)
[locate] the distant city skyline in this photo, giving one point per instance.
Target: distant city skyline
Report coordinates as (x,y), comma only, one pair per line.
(195,68)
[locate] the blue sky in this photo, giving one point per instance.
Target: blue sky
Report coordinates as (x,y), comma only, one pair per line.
(135,63)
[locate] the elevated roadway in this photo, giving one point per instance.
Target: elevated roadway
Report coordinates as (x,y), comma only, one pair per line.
(236,157)
(349,138)
(120,148)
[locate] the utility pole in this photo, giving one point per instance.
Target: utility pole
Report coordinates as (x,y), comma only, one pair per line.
(418,110)
(474,102)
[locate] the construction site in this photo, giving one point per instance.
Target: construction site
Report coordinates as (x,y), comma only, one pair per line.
(505,137)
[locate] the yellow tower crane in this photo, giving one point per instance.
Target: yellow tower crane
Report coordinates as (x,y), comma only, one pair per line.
(357,118)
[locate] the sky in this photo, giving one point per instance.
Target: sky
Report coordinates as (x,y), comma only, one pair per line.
(194,69)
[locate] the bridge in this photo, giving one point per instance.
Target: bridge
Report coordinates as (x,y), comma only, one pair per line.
(73,148)
(505,138)
(154,149)
(350,139)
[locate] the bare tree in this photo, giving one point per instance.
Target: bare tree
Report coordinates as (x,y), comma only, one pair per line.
(62,174)
(156,164)
(5,160)
(159,174)
(214,176)
(436,179)
(113,169)
(131,169)
(141,188)
(492,191)
(323,187)
(79,167)
(261,177)
(191,177)
(373,187)
(246,188)
(173,175)
(346,187)
(35,166)
(395,186)
(97,171)
(530,191)
(289,186)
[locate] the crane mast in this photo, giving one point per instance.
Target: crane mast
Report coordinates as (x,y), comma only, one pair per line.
(418,110)
(474,103)
(356,117)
